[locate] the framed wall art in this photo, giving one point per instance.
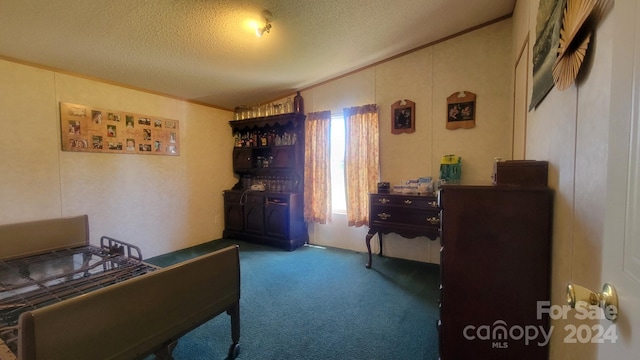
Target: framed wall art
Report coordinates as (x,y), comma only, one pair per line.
(89,129)
(403,117)
(461,110)
(545,49)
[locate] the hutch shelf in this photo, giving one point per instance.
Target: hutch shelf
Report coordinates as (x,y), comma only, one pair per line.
(266,204)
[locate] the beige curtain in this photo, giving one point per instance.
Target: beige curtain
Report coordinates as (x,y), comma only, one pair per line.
(362,164)
(317,169)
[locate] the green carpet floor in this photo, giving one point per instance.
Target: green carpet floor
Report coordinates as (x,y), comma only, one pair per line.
(316,303)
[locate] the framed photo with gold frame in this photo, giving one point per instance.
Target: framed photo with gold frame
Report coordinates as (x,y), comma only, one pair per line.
(403,117)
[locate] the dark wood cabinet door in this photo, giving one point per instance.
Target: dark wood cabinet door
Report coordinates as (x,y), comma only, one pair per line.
(277,219)
(254,214)
(242,159)
(233,212)
(233,217)
(283,156)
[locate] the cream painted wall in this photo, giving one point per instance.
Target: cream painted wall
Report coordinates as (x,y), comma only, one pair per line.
(427,77)
(30,180)
(570,130)
(160,203)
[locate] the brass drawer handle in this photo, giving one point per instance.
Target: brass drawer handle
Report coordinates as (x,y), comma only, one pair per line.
(384,216)
(433,220)
(433,203)
(408,202)
(384,200)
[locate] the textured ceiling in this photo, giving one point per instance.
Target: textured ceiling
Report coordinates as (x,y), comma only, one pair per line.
(207,51)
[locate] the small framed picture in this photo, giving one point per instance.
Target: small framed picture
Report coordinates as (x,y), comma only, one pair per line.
(461,110)
(403,117)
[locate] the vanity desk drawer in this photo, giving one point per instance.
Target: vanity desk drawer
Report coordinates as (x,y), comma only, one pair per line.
(405,201)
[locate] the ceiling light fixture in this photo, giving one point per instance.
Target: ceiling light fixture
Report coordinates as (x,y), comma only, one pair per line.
(268,16)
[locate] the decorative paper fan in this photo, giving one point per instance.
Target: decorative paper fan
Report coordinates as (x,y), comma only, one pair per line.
(566,68)
(574,40)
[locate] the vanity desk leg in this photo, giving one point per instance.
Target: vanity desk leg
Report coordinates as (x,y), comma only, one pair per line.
(368,242)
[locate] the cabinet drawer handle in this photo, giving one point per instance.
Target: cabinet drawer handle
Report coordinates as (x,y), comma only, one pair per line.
(384,200)
(384,216)
(433,220)
(433,204)
(408,202)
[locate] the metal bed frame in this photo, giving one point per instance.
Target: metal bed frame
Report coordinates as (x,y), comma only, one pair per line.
(33,282)
(63,302)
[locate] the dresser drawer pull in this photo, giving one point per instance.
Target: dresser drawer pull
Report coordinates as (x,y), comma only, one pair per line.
(408,202)
(433,203)
(384,200)
(433,220)
(384,216)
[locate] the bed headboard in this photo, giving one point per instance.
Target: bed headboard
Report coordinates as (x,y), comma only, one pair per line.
(28,238)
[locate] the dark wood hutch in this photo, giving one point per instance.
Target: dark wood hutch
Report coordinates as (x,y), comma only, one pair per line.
(266,205)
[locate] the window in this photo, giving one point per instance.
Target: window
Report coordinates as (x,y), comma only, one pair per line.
(337,138)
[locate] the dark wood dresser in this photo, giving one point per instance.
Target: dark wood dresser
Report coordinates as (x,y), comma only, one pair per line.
(495,269)
(406,215)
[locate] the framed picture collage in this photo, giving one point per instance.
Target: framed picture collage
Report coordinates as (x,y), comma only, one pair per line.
(88,129)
